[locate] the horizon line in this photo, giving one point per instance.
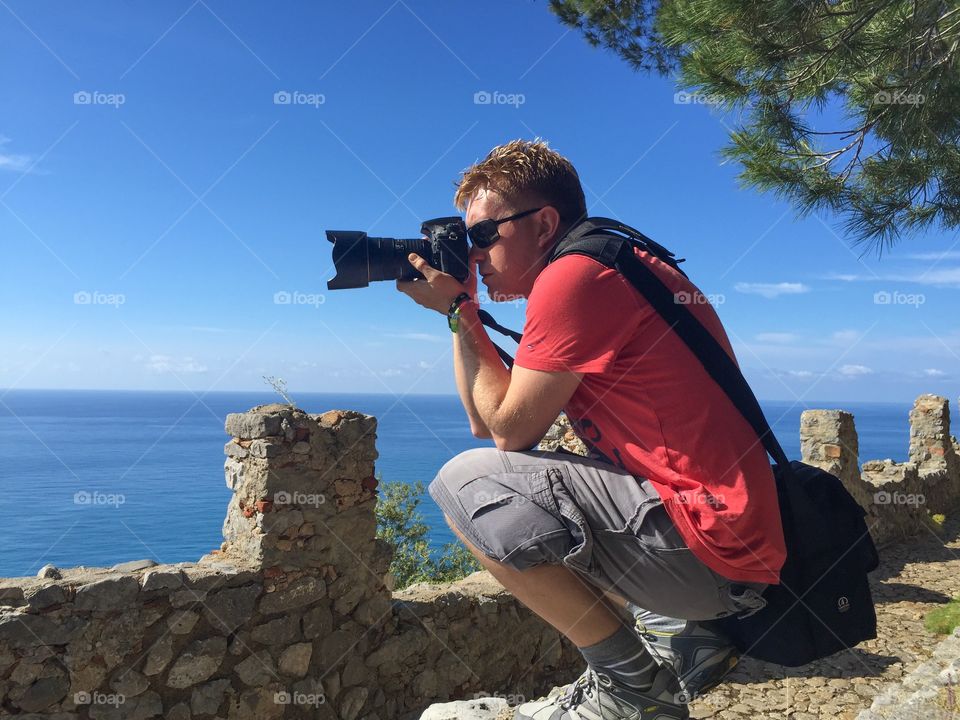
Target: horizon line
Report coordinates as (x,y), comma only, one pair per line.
(4,391)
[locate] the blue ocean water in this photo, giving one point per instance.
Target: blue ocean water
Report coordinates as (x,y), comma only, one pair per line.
(100,477)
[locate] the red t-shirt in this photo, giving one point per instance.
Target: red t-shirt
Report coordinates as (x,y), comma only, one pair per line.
(647,405)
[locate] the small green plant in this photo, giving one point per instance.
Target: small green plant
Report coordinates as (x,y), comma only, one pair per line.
(280,385)
(936,522)
(400,523)
(944,619)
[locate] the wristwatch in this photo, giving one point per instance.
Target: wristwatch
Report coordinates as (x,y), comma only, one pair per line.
(453,314)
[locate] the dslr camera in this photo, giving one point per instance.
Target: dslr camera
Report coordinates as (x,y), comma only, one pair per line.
(360,259)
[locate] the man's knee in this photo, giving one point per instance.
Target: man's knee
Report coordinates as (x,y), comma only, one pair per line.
(446,487)
(470,545)
(470,463)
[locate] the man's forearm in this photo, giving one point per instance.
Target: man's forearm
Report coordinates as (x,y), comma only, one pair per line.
(477,426)
(477,363)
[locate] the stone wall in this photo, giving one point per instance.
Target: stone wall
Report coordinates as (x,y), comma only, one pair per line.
(293,616)
(900,498)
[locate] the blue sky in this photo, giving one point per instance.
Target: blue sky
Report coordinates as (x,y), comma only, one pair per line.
(155,198)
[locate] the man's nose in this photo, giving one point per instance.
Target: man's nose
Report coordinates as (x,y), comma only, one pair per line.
(476,255)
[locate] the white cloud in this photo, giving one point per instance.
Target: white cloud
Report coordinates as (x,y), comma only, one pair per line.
(204,328)
(936,255)
(948,277)
(196,328)
(779,338)
(854,370)
(426,337)
(849,372)
(845,337)
(771,290)
(17,163)
(842,276)
(163,364)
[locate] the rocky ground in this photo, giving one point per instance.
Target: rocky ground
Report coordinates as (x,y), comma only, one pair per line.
(914,577)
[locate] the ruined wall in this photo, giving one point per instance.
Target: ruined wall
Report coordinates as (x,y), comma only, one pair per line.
(294,616)
(900,498)
(291,617)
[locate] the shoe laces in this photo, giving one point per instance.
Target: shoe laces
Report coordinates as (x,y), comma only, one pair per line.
(586,686)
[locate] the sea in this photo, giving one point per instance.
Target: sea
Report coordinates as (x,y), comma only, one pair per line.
(96,477)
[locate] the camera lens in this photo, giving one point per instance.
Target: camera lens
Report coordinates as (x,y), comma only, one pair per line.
(360,260)
(388,258)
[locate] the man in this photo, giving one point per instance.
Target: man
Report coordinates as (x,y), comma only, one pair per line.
(674,514)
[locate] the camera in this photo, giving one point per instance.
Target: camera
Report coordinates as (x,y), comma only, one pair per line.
(360,259)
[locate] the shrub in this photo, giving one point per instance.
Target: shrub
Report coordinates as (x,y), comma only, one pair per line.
(401,524)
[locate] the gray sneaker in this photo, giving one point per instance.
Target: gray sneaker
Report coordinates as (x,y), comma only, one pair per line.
(595,696)
(699,657)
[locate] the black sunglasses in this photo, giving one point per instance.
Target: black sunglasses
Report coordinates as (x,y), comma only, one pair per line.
(485,233)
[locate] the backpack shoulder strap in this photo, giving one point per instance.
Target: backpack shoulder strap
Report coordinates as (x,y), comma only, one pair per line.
(715,360)
(601,239)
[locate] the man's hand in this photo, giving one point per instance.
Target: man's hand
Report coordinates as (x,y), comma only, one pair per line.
(437,289)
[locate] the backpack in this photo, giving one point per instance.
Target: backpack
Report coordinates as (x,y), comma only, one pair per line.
(823,602)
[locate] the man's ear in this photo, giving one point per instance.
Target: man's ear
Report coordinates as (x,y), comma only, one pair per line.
(548,221)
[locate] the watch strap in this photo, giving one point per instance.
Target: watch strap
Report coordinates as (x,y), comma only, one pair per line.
(453,314)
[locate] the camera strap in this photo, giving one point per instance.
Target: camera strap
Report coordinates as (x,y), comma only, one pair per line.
(488,320)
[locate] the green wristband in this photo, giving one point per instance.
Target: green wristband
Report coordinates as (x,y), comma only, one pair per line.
(453,314)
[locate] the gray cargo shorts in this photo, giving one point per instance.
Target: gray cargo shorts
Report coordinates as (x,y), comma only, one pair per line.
(524,509)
